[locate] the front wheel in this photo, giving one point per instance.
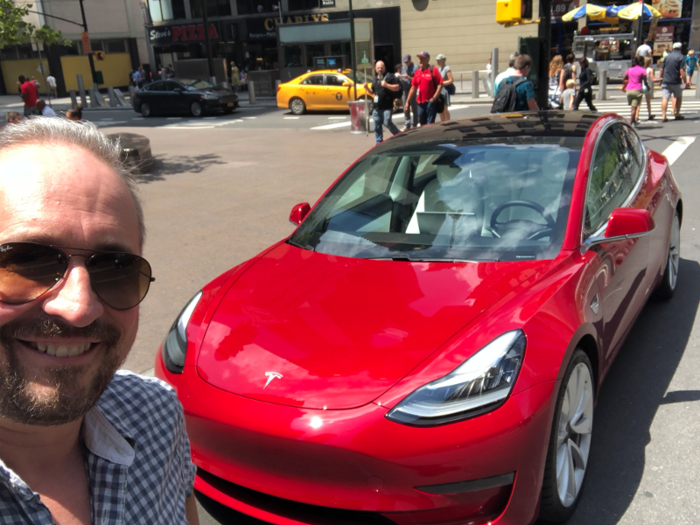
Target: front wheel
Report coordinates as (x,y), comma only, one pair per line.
(667,286)
(146,110)
(569,442)
(196,109)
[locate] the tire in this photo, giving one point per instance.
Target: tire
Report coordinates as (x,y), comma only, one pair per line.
(146,110)
(297,106)
(669,282)
(569,444)
(196,109)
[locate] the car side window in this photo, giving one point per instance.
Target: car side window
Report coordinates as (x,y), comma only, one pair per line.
(334,80)
(171,86)
(614,173)
(156,86)
(314,80)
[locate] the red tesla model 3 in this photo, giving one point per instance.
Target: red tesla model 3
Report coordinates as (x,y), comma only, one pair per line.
(427,346)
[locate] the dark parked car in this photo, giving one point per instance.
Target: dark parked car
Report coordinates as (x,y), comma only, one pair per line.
(183,95)
(135,150)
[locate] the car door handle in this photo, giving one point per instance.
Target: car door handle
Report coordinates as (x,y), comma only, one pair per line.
(595,304)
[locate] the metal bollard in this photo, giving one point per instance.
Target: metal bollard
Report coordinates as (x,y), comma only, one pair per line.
(494,69)
(475,85)
(81,90)
(251,92)
(603,85)
(73,98)
(112,97)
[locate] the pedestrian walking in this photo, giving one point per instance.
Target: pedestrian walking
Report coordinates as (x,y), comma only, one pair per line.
(672,80)
(556,68)
(426,86)
(235,77)
(407,72)
(75,113)
(648,87)
(72,442)
(136,78)
(585,86)
(516,93)
(385,89)
(29,94)
(568,96)
(509,72)
(645,49)
(169,71)
(13,117)
(51,82)
(633,83)
(44,110)
(691,62)
(142,78)
(448,85)
(569,71)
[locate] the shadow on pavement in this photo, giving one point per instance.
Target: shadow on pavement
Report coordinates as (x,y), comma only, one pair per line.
(172,165)
(632,392)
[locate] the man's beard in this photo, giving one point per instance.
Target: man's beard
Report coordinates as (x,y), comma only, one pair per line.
(69,400)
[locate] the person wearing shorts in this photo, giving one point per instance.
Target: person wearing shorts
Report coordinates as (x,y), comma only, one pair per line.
(634,81)
(672,80)
(691,62)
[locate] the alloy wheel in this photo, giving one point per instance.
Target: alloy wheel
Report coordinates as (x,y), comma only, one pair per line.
(145,110)
(196,109)
(297,106)
(574,434)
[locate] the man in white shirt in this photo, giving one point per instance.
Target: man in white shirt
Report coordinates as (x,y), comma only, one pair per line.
(645,49)
(507,73)
(51,82)
(43,109)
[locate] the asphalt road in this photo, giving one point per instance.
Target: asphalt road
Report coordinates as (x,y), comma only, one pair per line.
(222,189)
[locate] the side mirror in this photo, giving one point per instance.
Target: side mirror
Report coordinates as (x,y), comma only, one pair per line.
(178,91)
(299,213)
(623,224)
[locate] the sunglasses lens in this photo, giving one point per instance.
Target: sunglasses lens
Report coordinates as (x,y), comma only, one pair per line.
(120,279)
(28,270)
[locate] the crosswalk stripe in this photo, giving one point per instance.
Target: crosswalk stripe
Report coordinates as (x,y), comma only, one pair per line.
(675,150)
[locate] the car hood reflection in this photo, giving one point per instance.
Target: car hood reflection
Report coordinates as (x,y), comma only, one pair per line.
(306,329)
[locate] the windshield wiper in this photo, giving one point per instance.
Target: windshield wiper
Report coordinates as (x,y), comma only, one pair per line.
(407,258)
(307,247)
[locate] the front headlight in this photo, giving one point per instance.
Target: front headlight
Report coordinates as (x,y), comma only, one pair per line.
(210,96)
(479,385)
(174,347)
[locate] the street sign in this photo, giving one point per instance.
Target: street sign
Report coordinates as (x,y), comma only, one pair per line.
(85,38)
(364,60)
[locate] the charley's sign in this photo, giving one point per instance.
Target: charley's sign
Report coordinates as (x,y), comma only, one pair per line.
(165,35)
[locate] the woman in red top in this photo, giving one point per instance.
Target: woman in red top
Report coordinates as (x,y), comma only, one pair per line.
(634,82)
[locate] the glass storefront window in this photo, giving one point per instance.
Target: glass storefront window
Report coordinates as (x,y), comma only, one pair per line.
(214,8)
(313,51)
(292,56)
(167,10)
(115,46)
(251,7)
(303,5)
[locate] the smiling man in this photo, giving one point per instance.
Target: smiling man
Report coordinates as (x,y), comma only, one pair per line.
(79,444)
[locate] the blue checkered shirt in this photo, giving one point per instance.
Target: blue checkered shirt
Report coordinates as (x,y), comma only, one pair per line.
(137,457)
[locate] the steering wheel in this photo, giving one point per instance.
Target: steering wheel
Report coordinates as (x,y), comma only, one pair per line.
(527,229)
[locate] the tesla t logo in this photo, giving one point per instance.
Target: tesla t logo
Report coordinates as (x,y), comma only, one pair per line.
(270,377)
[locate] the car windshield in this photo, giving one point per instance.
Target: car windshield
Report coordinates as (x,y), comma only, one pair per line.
(192,84)
(491,199)
(362,78)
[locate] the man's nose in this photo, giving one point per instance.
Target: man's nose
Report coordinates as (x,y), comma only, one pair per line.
(73,299)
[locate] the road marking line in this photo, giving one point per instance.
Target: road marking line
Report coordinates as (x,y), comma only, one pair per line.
(459,106)
(337,118)
(291,118)
(138,118)
(333,126)
(173,118)
(675,150)
(188,127)
(249,118)
(110,123)
(209,118)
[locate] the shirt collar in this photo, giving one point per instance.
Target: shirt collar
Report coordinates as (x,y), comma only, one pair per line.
(104,440)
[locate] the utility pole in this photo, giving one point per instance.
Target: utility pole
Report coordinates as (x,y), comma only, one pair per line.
(210,61)
(353,58)
(545,39)
(85,29)
(640,41)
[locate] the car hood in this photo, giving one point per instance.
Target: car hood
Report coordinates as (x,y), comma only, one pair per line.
(311,330)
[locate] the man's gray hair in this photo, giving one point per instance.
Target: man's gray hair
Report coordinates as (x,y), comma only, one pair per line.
(513,58)
(43,131)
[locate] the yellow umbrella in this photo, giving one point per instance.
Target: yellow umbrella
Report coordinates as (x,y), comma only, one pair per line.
(634,11)
(590,10)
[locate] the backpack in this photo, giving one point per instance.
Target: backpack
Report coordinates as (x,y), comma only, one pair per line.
(507,98)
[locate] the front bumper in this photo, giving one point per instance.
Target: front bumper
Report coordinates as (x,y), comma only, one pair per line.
(288,465)
(220,104)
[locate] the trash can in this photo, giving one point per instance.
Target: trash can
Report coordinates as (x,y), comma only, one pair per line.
(358,119)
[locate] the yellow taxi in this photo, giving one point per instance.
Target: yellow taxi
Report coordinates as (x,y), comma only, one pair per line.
(324,89)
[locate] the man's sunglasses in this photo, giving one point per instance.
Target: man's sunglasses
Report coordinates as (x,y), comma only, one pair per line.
(28,270)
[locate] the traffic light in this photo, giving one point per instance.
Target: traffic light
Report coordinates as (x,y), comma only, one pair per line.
(100,55)
(511,12)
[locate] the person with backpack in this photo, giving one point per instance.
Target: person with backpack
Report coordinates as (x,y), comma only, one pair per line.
(448,85)
(568,72)
(427,87)
(516,93)
(385,89)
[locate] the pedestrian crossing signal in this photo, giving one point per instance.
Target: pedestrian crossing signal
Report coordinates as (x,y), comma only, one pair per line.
(513,12)
(100,55)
